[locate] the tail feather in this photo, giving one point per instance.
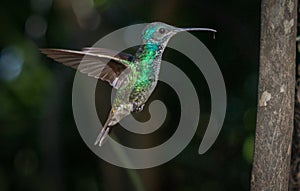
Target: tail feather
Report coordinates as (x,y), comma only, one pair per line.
(104,132)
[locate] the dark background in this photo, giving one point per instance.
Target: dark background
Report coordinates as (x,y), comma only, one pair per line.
(40,147)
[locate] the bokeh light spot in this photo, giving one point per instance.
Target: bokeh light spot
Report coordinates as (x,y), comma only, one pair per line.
(248,149)
(36,26)
(11,63)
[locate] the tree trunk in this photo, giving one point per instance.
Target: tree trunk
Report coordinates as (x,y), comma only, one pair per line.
(275,111)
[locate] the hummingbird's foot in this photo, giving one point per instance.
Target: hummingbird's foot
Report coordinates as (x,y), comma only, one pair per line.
(137,108)
(102,136)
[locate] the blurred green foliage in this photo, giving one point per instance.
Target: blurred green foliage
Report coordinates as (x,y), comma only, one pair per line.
(40,147)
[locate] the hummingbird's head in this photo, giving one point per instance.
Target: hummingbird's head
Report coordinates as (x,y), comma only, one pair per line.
(160,33)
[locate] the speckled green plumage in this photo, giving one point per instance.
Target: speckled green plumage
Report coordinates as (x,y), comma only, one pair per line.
(142,79)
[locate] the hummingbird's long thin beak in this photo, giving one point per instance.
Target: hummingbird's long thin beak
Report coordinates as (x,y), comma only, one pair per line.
(197,29)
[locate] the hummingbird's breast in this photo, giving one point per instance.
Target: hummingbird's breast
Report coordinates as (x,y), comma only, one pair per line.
(141,80)
(147,65)
(148,58)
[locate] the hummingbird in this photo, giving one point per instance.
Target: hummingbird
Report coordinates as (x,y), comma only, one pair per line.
(134,76)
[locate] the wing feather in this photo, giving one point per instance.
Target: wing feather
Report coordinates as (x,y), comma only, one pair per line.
(99,63)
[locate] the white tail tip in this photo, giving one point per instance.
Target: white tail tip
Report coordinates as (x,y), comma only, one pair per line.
(102,136)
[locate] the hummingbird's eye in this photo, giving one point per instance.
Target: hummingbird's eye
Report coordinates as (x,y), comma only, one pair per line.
(162,30)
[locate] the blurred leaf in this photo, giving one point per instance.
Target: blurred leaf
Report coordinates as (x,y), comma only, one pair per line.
(248,149)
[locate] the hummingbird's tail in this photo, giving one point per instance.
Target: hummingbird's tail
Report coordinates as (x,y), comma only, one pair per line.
(104,132)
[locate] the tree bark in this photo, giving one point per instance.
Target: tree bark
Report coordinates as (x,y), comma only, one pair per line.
(275,111)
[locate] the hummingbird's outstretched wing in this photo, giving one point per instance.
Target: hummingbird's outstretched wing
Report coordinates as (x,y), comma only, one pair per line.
(99,63)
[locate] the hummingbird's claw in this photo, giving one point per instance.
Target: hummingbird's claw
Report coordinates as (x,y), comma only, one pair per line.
(102,136)
(137,108)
